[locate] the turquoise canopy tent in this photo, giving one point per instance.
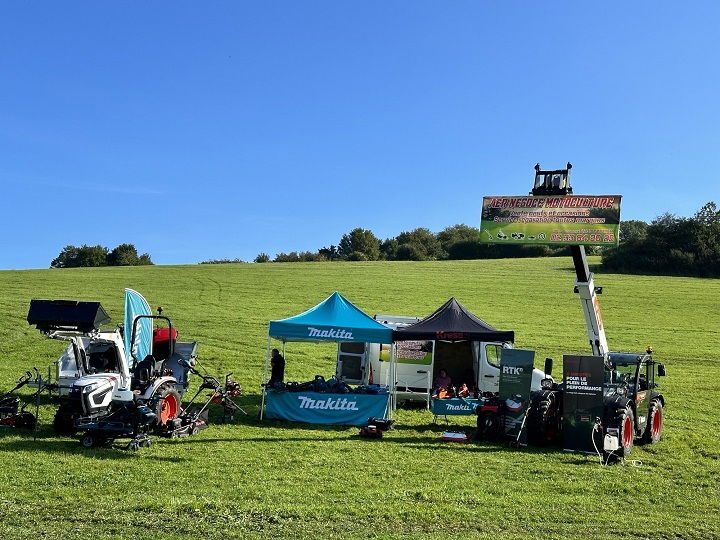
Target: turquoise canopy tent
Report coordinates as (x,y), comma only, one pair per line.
(335,319)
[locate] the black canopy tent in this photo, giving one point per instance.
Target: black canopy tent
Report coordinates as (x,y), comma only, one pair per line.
(456,335)
(452,322)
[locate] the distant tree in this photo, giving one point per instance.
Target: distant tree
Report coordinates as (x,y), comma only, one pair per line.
(457,233)
(262,258)
(362,241)
(357,256)
(83,256)
(123,255)
(423,244)
(144,260)
(388,249)
(330,253)
(287,257)
(410,252)
(633,230)
(223,261)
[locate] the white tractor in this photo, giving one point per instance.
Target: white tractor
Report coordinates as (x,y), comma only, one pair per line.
(110,383)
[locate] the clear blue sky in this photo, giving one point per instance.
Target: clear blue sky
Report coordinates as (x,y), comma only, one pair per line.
(201,130)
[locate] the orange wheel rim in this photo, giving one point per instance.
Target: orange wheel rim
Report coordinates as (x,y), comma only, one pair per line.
(168,409)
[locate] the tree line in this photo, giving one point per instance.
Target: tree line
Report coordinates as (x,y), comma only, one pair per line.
(457,242)
(669,245)
(85,256)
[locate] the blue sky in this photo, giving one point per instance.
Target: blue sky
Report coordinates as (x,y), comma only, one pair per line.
(201,130)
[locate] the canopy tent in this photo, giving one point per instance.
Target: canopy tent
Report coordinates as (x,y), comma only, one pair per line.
(452,322)
(335,319)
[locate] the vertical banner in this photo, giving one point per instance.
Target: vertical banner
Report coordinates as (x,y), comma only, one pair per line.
(557,219)
(583,401)
(516,368)
(136,305)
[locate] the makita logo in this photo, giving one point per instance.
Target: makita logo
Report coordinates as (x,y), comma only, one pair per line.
(512,370)
(339,404)
(458,407)
(333,333)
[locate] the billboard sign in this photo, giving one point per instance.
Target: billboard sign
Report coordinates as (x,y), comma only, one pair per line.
(552,219)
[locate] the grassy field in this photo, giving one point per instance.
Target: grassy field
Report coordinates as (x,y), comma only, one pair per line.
(273,479)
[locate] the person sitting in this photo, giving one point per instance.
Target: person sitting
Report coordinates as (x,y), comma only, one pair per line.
(442,381)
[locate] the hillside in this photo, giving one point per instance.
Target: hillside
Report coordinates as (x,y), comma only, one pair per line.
(248,478)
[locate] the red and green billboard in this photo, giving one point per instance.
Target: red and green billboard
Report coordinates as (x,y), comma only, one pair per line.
(552,219)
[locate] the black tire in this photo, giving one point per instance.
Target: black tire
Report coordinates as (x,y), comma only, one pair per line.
(64,421)
(25,420)
(488,426)
(653,429)
(625,423)
(88,440)
(165,392)
(544,421)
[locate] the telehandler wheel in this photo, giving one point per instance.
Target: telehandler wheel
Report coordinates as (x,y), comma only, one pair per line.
(166,404)
(653,430)
(625,422)
(64,421)
(543,422)
(488,426)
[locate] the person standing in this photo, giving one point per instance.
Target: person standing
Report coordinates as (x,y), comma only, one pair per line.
(277,367)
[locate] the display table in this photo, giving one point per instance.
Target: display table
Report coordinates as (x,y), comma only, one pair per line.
(454,406)
(322,408)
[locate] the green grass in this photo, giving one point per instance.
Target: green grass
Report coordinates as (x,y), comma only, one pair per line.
(275,479)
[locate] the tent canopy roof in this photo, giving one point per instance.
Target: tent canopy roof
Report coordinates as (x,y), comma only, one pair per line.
(333,319)
(452,322)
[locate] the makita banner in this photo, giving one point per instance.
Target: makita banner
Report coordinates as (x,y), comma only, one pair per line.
(454,406)
(516,369)
(321,408)
(559,219)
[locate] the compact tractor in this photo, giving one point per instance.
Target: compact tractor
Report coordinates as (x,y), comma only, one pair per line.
(607,401)
(105,389)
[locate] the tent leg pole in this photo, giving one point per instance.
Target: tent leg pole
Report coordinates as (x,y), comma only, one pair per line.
(393,388)
(264,388)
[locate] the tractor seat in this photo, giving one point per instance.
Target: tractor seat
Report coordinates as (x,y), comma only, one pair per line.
(146,370)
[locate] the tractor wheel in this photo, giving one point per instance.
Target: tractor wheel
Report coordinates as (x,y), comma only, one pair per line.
(166,404)
(25,420)
(543,422)
(64,421)
(625,422)
(92,440)
(488,426)
(653,430)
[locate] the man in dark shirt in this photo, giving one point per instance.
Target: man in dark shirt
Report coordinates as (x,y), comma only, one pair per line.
(277,363)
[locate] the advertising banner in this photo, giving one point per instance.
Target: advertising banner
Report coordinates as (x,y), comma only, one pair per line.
(454,406)
(583,401)
(557,219)
(322,408)
(516,368)
(409,352)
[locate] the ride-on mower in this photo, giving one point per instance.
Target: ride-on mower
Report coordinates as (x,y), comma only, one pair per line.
(104,388)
